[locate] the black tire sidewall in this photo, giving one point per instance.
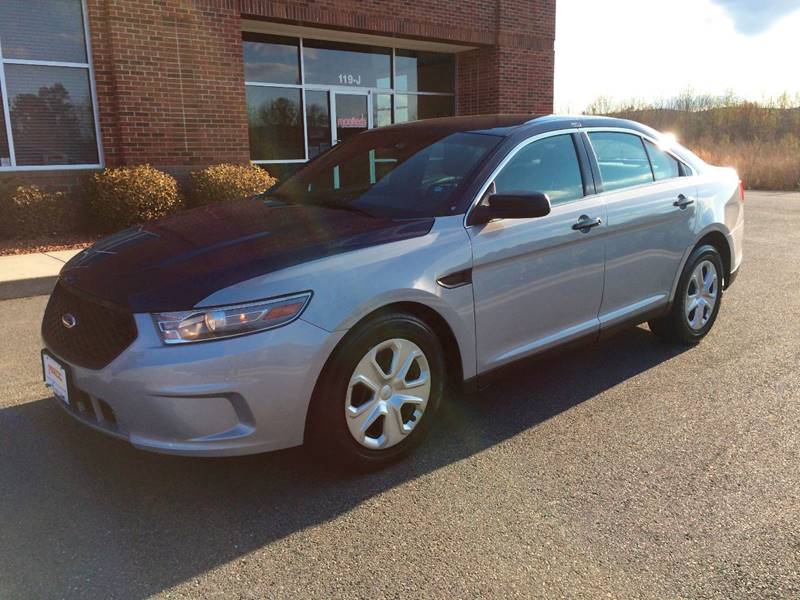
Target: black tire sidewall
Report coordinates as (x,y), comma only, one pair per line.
(327,433)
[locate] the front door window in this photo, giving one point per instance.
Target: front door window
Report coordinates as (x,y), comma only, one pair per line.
(352,115)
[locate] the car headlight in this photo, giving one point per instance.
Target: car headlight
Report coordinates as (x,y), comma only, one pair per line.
(203,324)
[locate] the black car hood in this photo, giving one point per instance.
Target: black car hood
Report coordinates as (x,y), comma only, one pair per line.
(174,263)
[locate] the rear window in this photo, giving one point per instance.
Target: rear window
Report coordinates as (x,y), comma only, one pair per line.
(622,159)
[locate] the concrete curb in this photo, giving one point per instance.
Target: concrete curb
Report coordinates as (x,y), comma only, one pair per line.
(25,275)
(24,288)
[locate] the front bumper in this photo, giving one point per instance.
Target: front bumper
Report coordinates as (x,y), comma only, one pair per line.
(233,396)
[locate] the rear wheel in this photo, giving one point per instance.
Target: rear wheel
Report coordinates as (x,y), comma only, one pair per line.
(378,394)
(697,299)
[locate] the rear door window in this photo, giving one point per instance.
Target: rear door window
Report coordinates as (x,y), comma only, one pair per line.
(549,166)
(622,159)
(664,166)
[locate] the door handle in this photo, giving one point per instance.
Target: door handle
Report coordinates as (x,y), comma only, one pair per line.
(682,202)
(585,223)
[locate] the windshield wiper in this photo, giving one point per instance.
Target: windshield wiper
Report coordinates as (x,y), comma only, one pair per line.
(343,204)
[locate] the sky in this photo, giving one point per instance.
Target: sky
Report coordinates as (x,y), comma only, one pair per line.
(650,49)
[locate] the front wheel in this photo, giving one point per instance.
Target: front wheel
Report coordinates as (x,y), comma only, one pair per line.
(697,299)
(377,396)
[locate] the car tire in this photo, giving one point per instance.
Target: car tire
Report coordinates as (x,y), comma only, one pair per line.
(697,299)
(359,417)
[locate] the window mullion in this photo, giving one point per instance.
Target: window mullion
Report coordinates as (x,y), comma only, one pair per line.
(6,110)
(87,44)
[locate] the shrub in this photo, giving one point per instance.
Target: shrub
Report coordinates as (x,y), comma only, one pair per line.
(128,195)
(223,183)
(28,211)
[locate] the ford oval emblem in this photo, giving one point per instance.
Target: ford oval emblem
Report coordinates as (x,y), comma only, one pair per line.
(68,320)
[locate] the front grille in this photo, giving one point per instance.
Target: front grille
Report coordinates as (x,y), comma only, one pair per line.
(101,330)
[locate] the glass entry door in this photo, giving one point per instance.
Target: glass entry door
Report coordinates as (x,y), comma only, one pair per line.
(351,115)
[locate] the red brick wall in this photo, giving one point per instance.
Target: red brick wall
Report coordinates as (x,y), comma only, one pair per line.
(170,77)
(170,81)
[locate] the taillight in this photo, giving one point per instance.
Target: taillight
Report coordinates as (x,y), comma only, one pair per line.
(741,191)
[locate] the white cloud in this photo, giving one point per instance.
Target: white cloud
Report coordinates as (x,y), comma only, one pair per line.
(627,49)
(756,16)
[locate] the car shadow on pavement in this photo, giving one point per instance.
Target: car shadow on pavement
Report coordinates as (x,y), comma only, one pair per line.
(83,514)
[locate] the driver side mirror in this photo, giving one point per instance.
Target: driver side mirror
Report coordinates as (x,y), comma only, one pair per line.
(512,205)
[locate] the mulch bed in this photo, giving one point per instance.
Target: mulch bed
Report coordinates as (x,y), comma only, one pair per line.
(28,246)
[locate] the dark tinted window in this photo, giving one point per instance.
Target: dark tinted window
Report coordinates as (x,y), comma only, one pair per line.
(664,166)
(275,119)
(424,71)
(622,159)
(51,115)
(42,30)
(318,122)
(401,173)
(413,108)
(549,165)
(271,59)
(333,63)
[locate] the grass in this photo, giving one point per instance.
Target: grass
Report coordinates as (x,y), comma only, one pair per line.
(761,140)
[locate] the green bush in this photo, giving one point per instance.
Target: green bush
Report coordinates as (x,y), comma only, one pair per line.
(28,211)
(128,195)
(224,183)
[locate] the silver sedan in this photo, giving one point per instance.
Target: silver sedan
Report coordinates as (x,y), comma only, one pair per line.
(337,308)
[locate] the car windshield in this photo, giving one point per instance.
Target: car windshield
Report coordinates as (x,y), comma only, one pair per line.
(399,173)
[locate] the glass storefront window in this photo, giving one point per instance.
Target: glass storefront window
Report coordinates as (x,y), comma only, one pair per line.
(47,116)
(271,59)
(424,71)
(409,107)
(275,118)
(381,110)
(295,87)
(51,115)
(318,122)
(350,65)
(42,30)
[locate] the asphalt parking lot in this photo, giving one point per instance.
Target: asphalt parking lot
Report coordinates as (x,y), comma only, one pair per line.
(628,468)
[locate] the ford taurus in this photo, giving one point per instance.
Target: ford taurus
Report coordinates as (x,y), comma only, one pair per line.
(338,307)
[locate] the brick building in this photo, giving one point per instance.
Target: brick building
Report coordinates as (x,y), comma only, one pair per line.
(185,83)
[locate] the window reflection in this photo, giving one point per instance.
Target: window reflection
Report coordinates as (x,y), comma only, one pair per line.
(381,110)
(622,160)
(412,108)
(424,71)
(318,122)
(350,65)
(51,115)
(271,59)
(549,166)
(43,30)
(276,129)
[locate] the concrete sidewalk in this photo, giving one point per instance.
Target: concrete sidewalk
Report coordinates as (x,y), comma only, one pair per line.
(24,275)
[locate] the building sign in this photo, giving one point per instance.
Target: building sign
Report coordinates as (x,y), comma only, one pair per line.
(354,122)
(349,79)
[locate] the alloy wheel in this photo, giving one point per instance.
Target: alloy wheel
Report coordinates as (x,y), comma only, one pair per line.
(387,394)
(701,295)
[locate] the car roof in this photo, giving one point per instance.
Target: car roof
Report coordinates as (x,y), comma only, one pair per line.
(508,124)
